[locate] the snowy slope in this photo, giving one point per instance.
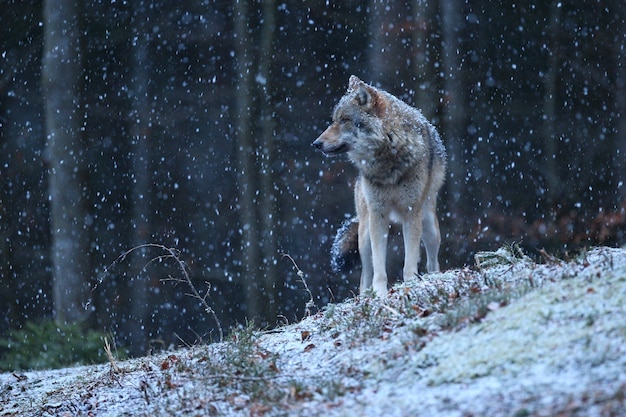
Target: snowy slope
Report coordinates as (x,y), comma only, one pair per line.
(510,337)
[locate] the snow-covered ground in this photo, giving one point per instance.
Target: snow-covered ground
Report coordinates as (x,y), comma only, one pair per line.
(508,338)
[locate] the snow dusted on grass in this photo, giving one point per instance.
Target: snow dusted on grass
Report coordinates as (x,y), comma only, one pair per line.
(511,338)
(559,348)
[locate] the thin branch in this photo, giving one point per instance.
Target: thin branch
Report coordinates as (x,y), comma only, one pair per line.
(170,253)
(310,304)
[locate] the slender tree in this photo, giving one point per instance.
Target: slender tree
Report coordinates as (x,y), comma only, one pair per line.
(246,161)
(69,215)
(140,127)
(268,213)
(389,36)
(550,139)
(255,155)
(454,112)
(423,57)
(620,94)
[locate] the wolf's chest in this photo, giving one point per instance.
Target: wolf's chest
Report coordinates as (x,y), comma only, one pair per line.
(394,201)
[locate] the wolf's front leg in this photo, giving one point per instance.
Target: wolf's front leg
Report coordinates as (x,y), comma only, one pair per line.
(365,252)
(379,231)
(411,231)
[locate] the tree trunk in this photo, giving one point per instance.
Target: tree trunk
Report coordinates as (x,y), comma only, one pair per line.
(620,94)
(255,155)
(390,51)
(69,218)
(246,164)
(267,213)
(453,118)
(550,140)
(423,58)
(140,125)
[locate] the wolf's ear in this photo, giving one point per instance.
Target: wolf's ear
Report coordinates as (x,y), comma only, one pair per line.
(365,96)
(354,82)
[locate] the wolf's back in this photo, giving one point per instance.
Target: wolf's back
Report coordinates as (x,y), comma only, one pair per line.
(344,254)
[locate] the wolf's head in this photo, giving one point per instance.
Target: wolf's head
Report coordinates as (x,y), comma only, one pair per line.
(356,120)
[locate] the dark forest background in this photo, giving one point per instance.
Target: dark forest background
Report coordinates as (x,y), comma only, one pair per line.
(188,124)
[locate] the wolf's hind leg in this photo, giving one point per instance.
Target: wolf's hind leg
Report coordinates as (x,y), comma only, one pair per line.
(411,232)
(431,235)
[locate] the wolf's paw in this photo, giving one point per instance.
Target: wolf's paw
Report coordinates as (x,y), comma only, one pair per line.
(380,289)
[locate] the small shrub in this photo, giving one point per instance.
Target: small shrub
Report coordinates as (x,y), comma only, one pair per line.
(245,357)
(46,344)
(506,255)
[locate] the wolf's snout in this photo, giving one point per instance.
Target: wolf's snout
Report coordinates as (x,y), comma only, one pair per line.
(317,144)
(329,149)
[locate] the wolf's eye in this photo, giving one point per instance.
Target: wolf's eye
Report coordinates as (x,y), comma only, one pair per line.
(344,120)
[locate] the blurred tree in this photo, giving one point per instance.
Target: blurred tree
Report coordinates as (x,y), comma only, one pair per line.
(68,165)
(24,218)
(620,94)
(268,211)
(453,119)
(254,152)
(387,55)
(142,180)
(246,160)
(424,57)
(550,138)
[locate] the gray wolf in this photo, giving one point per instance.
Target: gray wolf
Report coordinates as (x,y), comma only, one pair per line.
(402,164)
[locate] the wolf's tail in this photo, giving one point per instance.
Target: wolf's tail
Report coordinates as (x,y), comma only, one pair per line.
(344,254)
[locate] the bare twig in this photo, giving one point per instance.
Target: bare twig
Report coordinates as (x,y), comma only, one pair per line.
(549,259)
(19,377)
(310,304)
(174,254)
(170,253)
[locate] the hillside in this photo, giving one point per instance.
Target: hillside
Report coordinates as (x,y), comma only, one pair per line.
(509,337)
